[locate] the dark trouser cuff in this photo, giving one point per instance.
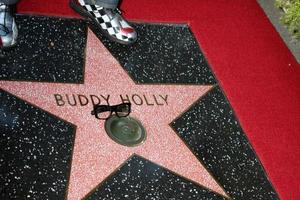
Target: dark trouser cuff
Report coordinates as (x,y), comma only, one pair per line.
(103,3)
(9,2)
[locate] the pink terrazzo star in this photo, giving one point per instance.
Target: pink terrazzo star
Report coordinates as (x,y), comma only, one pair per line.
(95,155)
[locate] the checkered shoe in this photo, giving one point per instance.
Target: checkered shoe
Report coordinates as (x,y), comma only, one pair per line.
(8,27)
(109,21)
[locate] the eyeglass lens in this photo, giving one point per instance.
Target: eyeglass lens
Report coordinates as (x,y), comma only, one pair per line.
(102,112)
(123,110)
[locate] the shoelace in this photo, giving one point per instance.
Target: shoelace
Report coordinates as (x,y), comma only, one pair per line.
(114,12)
(119,11)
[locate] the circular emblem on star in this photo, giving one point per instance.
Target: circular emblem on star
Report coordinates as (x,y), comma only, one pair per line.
(126,131)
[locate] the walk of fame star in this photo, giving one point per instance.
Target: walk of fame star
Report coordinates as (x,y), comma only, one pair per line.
(95,155)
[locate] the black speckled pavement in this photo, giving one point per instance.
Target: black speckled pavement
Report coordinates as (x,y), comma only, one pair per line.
(37,147)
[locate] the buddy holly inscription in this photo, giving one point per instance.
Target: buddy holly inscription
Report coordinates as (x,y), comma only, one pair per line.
(86,100)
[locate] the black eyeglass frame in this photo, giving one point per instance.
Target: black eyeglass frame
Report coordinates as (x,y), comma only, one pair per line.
(117,109)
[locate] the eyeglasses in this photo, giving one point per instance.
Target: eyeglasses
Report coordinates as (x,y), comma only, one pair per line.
(105,111)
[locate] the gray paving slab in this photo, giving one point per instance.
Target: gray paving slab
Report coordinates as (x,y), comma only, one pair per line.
(274,15)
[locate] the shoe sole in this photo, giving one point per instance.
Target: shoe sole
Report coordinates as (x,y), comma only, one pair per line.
(86,14)
(9,47)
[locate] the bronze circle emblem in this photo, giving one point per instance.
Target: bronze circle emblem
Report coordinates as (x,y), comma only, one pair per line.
(126,131)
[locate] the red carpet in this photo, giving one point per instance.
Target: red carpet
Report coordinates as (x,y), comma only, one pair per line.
(258,73)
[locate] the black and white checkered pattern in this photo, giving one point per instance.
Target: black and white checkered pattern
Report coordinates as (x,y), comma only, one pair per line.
(111,22)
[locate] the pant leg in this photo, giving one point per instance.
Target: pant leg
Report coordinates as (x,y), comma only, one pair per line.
(103,3)
(9,2)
